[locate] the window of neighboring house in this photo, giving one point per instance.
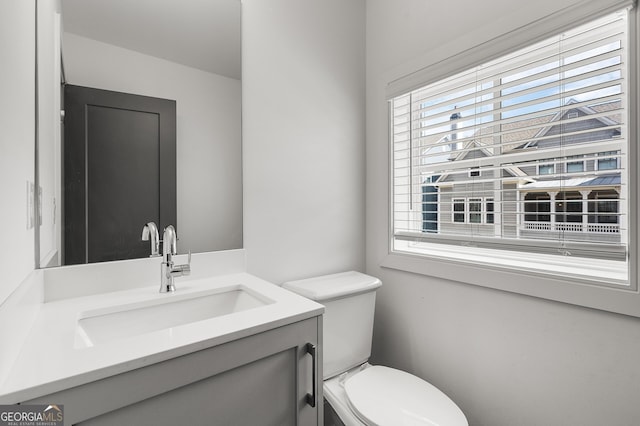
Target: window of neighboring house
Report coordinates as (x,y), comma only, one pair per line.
(607,160)
(604,208)
(475,210)
(506,116)
(459,210)
(574,165)
(569,202)
(546,169)
(537,207)
(430,205)
(489,215)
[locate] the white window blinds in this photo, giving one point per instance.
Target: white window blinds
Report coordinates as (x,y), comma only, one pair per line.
(527,152)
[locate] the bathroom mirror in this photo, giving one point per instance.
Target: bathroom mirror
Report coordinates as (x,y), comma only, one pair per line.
(187,51)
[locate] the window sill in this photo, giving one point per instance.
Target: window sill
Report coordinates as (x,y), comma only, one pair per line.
(517,278)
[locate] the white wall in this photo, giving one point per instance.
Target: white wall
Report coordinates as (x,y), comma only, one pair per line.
(303,136)
(209,175)
(17,140)
(49,138)
(505,359)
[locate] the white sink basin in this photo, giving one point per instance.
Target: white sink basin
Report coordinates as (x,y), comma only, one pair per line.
(162,312)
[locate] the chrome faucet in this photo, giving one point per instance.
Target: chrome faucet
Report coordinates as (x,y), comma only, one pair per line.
(150,232)
(168,271)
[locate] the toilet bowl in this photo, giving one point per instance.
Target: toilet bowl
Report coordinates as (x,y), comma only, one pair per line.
(360,393)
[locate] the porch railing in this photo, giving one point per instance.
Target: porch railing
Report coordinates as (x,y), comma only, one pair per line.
(598,228)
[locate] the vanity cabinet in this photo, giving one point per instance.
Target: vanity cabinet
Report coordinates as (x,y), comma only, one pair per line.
(264,379)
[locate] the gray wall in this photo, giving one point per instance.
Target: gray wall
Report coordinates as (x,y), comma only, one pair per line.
(505,359)
(303,136)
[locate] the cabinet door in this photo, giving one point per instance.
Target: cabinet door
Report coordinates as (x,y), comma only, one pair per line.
(258,380)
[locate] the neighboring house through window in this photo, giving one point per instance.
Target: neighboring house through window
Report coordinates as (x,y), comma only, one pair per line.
(528,148)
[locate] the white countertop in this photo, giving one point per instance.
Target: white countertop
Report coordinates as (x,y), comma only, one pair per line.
(50,361)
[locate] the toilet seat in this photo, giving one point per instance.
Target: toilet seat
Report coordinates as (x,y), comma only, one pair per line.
(383,396)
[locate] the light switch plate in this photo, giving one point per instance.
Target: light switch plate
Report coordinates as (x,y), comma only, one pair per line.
(30,202)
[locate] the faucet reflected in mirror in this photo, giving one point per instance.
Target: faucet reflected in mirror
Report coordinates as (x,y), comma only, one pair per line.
(150,232)
(168,270)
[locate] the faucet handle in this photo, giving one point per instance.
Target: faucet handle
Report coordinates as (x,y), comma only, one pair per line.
(186,269)
(182,270)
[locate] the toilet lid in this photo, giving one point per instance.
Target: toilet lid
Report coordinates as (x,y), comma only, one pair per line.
(383,396)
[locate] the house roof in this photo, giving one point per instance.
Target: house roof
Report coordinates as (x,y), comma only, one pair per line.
(605,181)
(477,143)
(530,127)
(512,139)
(587,110)
(589,181)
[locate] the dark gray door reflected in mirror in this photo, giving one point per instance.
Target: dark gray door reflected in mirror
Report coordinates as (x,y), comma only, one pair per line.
(119,161)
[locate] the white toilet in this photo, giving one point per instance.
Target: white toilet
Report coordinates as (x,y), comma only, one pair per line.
(362,394)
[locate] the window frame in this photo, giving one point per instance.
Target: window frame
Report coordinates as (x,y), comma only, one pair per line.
(479,201)
(486,212)
(455,212)
(557,286)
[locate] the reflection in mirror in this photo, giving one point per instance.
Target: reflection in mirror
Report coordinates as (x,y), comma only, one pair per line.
(187,52)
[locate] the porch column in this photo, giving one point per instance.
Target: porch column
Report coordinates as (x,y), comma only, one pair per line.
(585,210)
(552,222)
(519,212)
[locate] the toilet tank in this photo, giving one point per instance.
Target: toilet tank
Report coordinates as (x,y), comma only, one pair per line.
(349,300)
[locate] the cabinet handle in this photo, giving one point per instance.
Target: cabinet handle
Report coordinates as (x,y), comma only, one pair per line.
(311,397)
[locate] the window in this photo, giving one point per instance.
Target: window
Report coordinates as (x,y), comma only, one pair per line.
(475,210)
(429,205)
(470,210)
(569,202)
(546,169)
(489,216)
(537,207)
(603,209)
(541,123)
(575,166)
(459,210)
(607,160)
